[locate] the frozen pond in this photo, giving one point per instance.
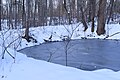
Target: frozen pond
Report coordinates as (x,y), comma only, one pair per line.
(89,54)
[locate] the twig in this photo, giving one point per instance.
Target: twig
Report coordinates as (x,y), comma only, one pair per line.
(7,47)
(112,35)
(10,54)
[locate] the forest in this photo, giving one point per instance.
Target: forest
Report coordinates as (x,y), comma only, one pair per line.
(34,13)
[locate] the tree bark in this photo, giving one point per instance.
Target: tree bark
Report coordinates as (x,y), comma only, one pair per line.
(51,11)
(83,19)
(110,11)
(101,17)
(35,13)
(93,10)
(78,10)
(23,15)
(27,21)
(68,11)
(0,14)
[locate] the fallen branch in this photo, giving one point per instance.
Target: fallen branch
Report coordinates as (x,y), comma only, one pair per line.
(112,35)
(5,48)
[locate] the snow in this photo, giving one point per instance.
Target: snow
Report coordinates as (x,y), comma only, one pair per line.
(25,68)
(58,33)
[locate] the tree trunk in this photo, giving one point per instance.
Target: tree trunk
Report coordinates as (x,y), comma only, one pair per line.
(78,10)
(93,10)
(68,11)
(51,11)
(23,15)
(0,15)
(83,19)
(110,11)
(27,21)
(35,13)
(101,17)
(45,13)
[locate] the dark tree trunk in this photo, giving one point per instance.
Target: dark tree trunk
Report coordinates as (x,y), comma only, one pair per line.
(35,13)
(101,17)
(45,13)
(40,13)
(51,11)
(28,21)
(110,11)
(78,10)
(23,15)
(93,10)
(0,15)
(68,11)
(27,24)
(83,19)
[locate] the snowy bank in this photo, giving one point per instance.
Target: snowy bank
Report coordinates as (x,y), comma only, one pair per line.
(30,69)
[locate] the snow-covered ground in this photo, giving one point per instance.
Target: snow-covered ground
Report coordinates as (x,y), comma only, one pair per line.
(24,68)
(74,31)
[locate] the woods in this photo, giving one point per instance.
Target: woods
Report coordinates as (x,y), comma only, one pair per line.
(34,13)
(101,17)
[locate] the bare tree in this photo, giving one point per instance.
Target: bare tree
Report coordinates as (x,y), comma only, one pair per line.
(51,11)
(45,13)
(67,9)
(39,12)
(101,17)
(78,10)
(83,18)
(0,14)
(26,18)
(110,10)
(35,13)
(93,10)
(59,7)
(23,14)
(67,39)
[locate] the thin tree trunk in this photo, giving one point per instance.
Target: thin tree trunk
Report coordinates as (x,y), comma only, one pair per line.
(10,24)
(35,12)
(23,15)
(78,9)
(15,11)
(110,11)
(68,11)
(45,13)
(19,12)
(0,15)
(51,11)
(93,10)
(89,6)
(83,19)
